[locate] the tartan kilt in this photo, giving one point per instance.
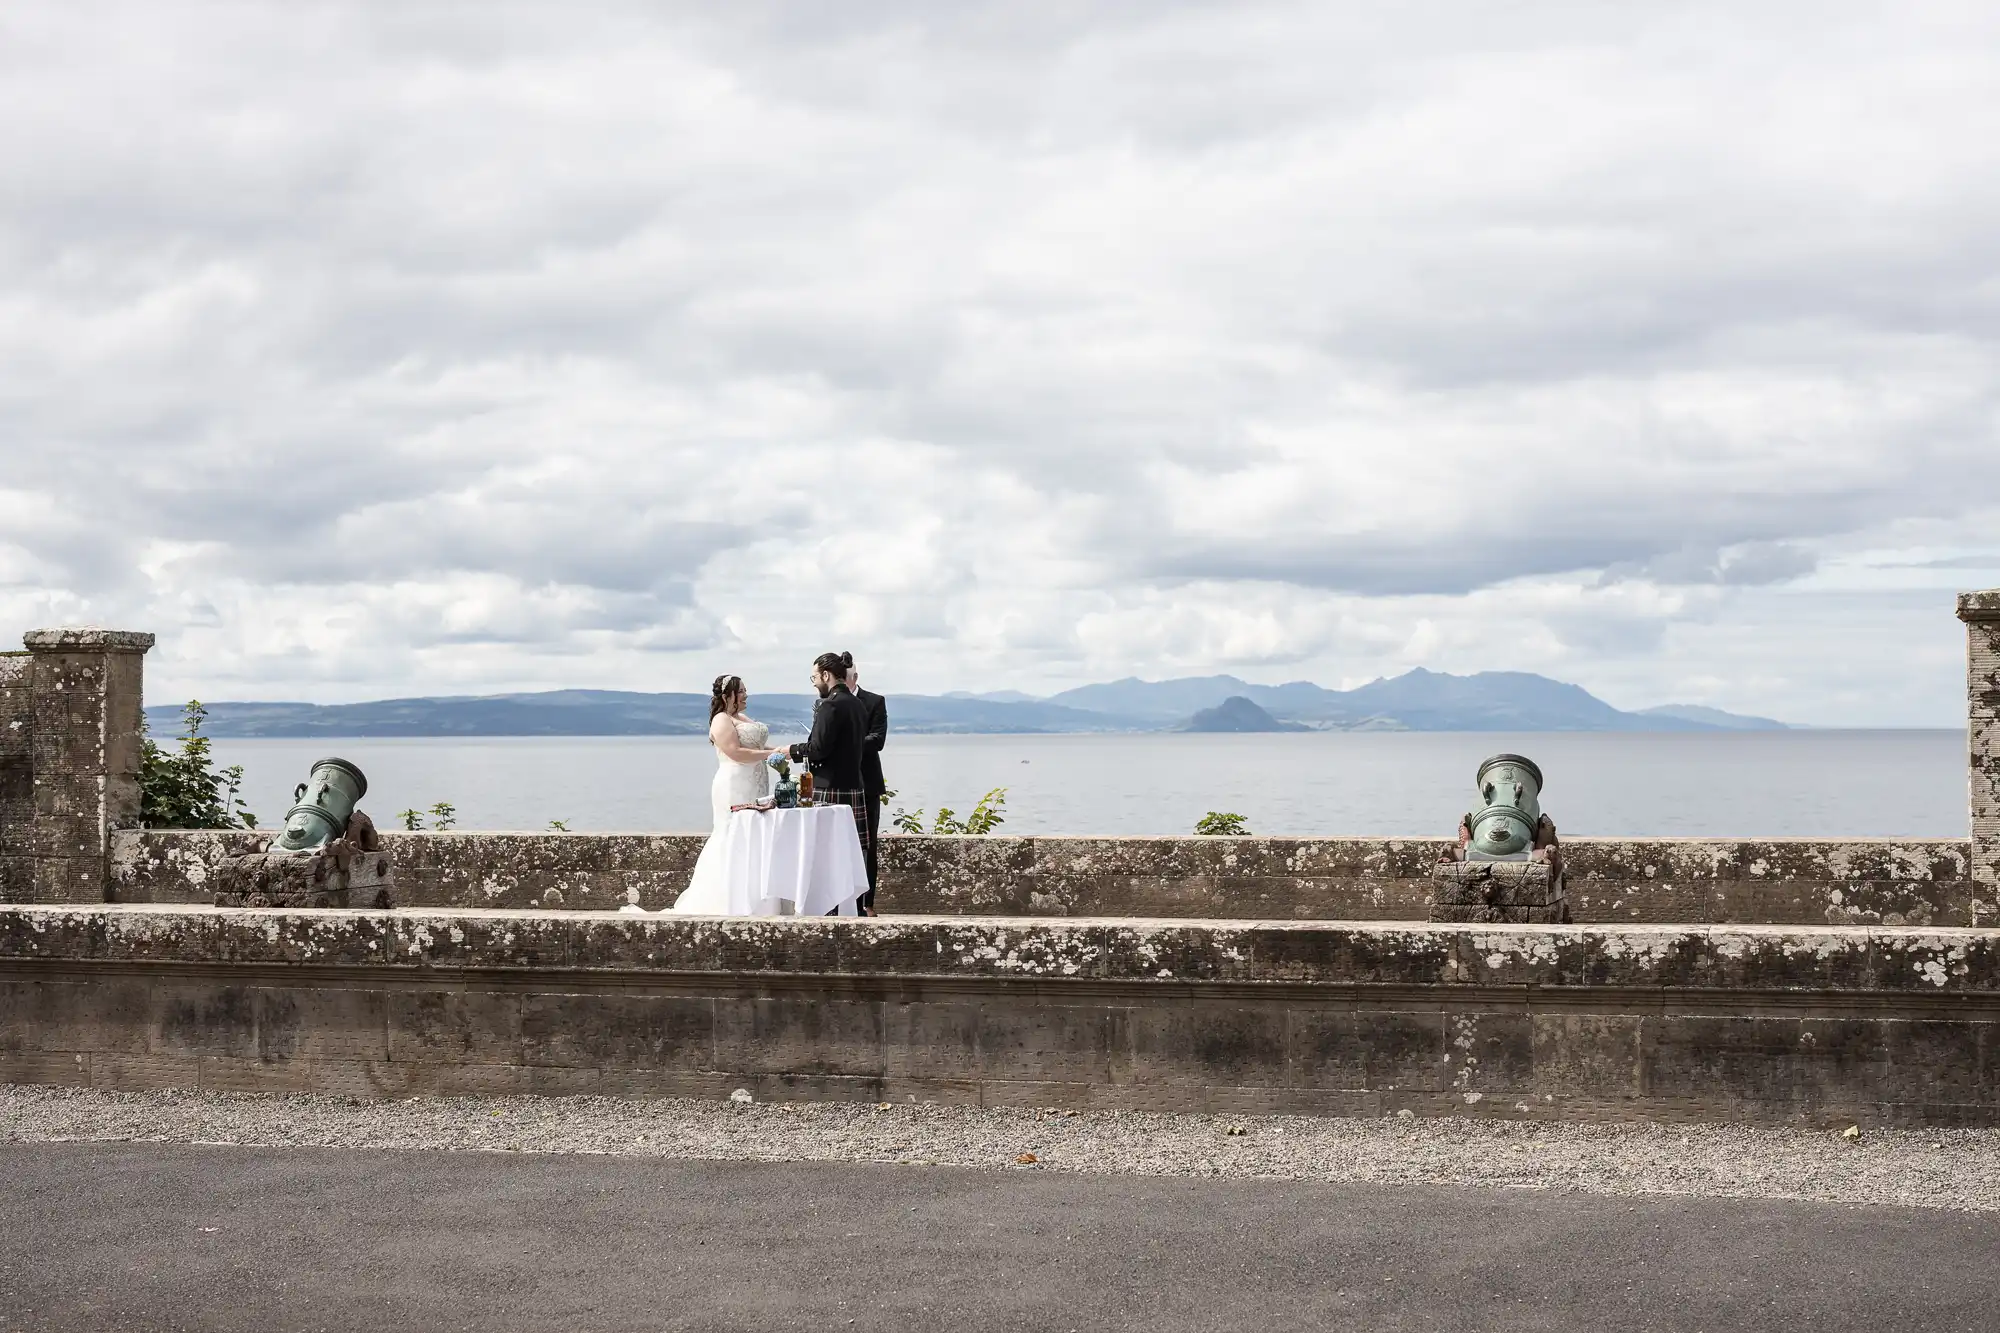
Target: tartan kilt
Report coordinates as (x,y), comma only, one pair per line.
(854,800)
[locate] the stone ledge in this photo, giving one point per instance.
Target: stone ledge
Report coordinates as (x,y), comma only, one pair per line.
(85,638)
(1983,605)
(1778,881)
(1927,962)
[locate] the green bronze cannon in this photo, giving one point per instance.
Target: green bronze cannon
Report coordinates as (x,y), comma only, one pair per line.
(325,802)
(1506,864)
(327,851)
(1503,828)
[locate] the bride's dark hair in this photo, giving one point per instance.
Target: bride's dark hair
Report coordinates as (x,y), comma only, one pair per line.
(720,693)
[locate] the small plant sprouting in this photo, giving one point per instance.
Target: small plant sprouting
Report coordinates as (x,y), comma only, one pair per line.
(985,817)
(444,816)
(413,820)
(558,826)
(1221,824)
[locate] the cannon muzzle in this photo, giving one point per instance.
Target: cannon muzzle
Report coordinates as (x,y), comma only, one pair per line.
(1503,827)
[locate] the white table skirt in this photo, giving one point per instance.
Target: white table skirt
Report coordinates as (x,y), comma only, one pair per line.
(764,861)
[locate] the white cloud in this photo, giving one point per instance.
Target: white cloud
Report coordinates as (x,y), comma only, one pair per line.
(363,349)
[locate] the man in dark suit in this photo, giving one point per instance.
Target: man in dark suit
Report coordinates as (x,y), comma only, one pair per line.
(832,752)
(874,734)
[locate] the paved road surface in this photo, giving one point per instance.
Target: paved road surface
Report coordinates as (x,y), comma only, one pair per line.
(144,1236)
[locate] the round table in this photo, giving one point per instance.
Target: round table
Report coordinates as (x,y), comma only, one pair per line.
(807,858)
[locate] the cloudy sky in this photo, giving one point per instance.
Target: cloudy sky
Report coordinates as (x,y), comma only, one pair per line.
(369,349)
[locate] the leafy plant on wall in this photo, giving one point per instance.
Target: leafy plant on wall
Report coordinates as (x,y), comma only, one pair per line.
(182,788)
(985,817)
(1221,824)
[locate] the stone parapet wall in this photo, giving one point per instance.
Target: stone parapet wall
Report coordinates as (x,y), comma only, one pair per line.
(1779,881)
(17,778)
(1981,613)
(1810,1025)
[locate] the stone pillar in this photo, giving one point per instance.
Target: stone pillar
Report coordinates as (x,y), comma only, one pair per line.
(17,779)
(1981,613)
(84,691)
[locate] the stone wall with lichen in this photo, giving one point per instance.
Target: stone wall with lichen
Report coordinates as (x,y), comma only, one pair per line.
(1778,881)
(1803,1025)
(1981,613)
(17,778)
(70,741)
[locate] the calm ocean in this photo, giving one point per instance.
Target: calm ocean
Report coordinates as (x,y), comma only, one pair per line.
(1851,784)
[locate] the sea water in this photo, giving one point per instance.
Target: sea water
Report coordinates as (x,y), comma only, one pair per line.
(1832,784)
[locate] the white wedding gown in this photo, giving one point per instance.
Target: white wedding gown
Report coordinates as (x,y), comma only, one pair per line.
(707,893)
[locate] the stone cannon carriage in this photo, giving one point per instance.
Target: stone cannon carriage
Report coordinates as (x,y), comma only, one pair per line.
(327,855)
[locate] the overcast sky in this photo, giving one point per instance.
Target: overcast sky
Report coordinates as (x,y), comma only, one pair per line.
(374,349)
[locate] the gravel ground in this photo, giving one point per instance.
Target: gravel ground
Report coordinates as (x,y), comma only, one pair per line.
(1951,1169)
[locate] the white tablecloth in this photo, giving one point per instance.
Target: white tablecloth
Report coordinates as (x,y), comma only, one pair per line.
(765,861)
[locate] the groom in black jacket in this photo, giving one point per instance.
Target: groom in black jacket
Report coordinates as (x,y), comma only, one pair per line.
(832,752)
(874,735)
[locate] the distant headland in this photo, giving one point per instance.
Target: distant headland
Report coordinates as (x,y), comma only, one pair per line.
(1418,700)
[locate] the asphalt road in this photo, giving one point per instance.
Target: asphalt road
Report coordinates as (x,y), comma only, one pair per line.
(152,1236)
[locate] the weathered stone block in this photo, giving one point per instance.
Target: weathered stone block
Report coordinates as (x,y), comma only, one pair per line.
(1216,1041)
(1055,1043)
(482,939)
(66,735)
(197,1019)
(16,719)
(1950,1060)
(297,1023)
(68,880)
(626,1031)
(69,796)
(143,1073)
(59,1068)
(227,1074)
(1488,1053)
(931,1039)
(799,1036)
(1594,1055)
(455,1027)
(79,673)
(102,1014)
(1766,1066)
(1326,1047)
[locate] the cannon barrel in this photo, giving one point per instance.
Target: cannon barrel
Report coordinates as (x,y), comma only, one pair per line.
(325,801)
(1510,788)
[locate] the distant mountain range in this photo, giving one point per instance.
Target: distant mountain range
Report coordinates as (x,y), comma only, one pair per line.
(1418,700)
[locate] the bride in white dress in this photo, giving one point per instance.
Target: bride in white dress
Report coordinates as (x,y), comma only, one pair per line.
(741,778)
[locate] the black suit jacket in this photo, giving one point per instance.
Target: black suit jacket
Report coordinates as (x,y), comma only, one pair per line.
(874,734)
(833,750)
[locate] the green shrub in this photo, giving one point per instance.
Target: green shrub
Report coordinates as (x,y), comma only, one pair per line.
(985,817)
(182,788)
(1218,824)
